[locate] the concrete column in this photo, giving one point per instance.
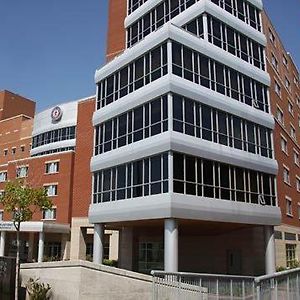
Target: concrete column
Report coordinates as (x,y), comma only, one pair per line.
(205,27)
(126,248)
(170,59)
(30,246)
(269,250)
(41,247)
(113,245)
(78,245)
(98,243)
(2,243)
(65,246)
(171,245)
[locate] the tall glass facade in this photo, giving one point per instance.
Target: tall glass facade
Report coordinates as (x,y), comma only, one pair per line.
(173,171)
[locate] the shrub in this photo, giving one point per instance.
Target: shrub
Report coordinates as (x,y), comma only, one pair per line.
(37,290)
(294,264)
(51,258)
(111,263)
(280,269)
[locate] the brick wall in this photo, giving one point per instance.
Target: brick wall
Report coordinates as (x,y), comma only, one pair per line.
(13,105)
(116,35)
(279,74)
(74,178)
(84,151)
(38,178)
(15,133)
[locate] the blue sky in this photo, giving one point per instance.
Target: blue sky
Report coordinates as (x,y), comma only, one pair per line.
(49,50)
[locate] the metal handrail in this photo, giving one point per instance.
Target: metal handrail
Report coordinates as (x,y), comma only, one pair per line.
(157,272)
(183,285)
(276,275)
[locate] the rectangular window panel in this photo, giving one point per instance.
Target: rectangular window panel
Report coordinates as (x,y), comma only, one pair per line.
(202,177)
(222,79)
(143,70)
(132,126)
(155,175)
(208,178)
(189,116)
(206,123)
(190,175)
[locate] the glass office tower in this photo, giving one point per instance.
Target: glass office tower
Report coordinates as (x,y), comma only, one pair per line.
(183,162)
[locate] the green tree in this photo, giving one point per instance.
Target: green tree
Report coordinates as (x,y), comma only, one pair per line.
(22,201)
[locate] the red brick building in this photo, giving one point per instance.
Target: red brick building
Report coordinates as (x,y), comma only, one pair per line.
(285,105)
(55,152)
(51,151)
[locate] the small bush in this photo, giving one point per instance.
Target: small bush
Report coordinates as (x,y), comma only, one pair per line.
(37,290)
(294,264)
(51,258)
(111,263)
(280,269)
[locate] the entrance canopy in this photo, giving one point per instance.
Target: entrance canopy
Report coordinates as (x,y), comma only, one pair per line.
(36,227)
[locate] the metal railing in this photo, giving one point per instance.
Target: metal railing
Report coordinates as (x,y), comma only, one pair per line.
(188,286)
(279,286)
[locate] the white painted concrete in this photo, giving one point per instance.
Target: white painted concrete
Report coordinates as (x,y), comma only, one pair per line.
(270,263)
(82,280)
(170,31)
(179,206)
(98,243)
(183,143)
(43,121)
(41,246)
(171,245)
(150,4)
(53,146)
(2,243)
(186,88)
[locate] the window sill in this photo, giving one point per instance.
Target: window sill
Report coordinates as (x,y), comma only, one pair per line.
(279,96)
(287,183)
(51,173)
(281,123)
(48,219)
(286,153)
(290,215)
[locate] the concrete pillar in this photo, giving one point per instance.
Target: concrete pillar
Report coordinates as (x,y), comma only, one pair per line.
(65,246)
(269,250)
(126,248)
(171,245)
(205,27)
(78,244)
(98,243)
(113,245)
(41,246)
(169,56)
(30,246)
(2,243)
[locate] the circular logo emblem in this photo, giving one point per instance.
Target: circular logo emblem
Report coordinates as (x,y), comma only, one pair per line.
(56,114)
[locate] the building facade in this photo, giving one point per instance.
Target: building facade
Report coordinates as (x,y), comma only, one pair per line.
(285,105)
(49,149)
(177,152)
(183,163)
